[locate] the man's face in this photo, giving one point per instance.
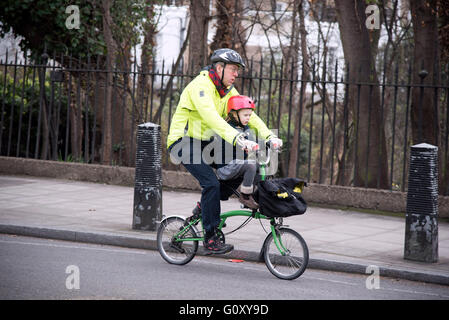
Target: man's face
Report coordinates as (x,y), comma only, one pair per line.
(231,72)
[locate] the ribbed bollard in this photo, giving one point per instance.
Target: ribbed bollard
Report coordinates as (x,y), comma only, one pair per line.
(421,226)
(148,179)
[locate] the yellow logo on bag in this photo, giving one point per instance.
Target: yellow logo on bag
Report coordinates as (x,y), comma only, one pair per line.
(298,188)
(282,195)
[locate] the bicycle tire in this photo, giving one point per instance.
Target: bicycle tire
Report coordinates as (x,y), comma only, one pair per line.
(291,265)
(176,252)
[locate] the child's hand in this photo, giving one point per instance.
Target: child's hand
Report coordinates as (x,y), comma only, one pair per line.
(250,146)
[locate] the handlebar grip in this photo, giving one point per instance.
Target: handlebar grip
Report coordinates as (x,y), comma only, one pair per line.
(274,146)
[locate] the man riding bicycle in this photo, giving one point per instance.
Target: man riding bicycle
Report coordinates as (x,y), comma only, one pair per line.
(200,115)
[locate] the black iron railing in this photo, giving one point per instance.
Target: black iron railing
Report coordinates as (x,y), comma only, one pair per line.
(90,114)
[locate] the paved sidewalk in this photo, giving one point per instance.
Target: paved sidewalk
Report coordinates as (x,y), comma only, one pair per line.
(88,212)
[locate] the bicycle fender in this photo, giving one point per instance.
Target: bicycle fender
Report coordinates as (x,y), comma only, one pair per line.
(180,217)
(172,216)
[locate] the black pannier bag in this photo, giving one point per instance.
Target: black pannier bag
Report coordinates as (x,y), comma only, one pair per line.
(281,197)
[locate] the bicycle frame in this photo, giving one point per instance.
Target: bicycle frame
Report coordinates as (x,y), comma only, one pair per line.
(285,259)
(233,213)
(238,213)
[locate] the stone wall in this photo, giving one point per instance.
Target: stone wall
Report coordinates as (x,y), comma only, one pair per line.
(384,200)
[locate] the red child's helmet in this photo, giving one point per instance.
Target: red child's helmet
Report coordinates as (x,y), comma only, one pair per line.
(240,102)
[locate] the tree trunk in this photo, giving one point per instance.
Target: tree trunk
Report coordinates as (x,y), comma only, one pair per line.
(372,165)
(289,89)
(123,123)
(426,64)
(224,25)
(443,14)
(118,121)
(229,31)
(44,121)
(76,127)
(305,75)
(199,20)
(106,152)
(424,112)
(146,58)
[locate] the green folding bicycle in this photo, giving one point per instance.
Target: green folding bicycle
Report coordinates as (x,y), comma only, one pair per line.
(285,252)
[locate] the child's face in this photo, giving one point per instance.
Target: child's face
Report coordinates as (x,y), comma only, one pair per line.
(244,115)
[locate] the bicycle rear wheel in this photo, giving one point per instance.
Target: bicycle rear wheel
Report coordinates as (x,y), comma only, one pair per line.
(290,259)
(169,243)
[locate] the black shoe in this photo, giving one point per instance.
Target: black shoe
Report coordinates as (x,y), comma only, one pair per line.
(213,245)
(197,210)
(196,215)
(248,201)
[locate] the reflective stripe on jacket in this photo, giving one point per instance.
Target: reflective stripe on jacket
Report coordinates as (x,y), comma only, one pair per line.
(202,111)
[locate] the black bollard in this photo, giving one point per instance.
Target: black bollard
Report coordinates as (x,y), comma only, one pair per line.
(148,179)
(421,224)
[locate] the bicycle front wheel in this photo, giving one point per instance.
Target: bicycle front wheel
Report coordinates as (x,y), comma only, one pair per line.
(170,244)
(288,258)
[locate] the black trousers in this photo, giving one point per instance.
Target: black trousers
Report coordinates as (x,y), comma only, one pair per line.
(213,190)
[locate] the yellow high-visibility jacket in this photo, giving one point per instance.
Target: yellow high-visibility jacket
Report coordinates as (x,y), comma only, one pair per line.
(203,112)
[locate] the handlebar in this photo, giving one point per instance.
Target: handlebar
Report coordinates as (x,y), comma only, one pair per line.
(269,150)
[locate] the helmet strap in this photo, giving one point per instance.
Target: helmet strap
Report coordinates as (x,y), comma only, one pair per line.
(238,118)
(222,73)
(222,90)
(234,116)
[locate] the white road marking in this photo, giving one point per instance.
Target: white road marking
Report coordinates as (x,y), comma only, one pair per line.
(330,280)
(243,266)
(206,261)
(416,292)
(73,247)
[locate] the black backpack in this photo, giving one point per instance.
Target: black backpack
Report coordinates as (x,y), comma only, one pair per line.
(281,197)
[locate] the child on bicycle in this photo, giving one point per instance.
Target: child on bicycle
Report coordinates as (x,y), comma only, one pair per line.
(239,110)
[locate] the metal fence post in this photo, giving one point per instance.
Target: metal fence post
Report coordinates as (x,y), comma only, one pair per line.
(148,178)
(421,227)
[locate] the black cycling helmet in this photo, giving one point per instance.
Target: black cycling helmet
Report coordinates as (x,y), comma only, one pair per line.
(227,56)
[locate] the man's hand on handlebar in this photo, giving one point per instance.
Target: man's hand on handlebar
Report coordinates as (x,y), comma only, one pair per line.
(246,144)
(275,143)
(251,146)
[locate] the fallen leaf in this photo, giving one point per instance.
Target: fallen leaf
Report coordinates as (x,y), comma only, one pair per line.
(236,260)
